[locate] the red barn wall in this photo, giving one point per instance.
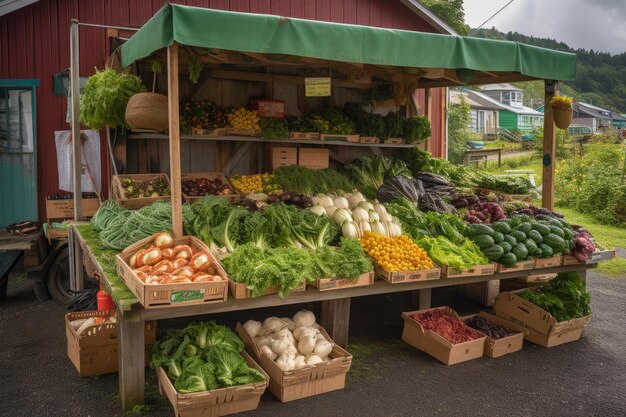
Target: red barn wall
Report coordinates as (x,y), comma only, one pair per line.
(34,43)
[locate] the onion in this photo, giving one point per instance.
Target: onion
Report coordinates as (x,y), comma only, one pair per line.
(317,209)
(325,201)
(360,215)
(341,202)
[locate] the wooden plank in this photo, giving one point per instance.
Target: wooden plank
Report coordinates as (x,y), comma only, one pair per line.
(379,287)
(277,78)
(336,319)
(174,131)
(131,361)
(549,146)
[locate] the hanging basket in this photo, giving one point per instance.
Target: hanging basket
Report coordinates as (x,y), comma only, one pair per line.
(148,111)
(562,117)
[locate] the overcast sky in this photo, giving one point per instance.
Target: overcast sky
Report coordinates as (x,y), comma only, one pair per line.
(591,24)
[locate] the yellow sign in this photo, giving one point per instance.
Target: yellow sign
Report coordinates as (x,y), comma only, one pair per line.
(317,86)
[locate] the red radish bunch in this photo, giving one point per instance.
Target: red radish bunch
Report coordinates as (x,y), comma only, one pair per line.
(448,327)
(484,213)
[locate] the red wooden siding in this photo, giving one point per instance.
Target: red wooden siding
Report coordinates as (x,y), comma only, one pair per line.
(34,43)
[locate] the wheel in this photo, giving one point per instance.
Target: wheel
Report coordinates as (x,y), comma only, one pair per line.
(41,291)
(59,277)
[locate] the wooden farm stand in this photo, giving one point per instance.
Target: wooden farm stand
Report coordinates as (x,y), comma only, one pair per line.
(266,52)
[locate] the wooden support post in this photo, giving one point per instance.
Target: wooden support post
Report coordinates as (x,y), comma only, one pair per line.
(421,298)
(429,115)
(77,281)
(549,146)
(336,319)
(76,140)
(174,129)
(131,360)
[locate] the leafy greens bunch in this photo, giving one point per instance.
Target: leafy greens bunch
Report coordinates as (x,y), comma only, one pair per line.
(288,268)
(203,356)
(565,297)
(307,181)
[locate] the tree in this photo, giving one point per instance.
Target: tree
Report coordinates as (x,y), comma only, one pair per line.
(458,130)
(451,12)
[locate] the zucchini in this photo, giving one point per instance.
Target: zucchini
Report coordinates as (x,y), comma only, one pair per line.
(506,246)
(520,251)
(498,237)
(531,246)
(546,251)
(541,228)
(557,231)
(510,240)
(518,235)
(524,227)
(508,259)
(494,252)
(555,242)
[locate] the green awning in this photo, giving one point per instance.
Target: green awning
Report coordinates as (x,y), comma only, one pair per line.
(209,28)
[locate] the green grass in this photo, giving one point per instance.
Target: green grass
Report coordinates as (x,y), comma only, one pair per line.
(615,268)
(502,144)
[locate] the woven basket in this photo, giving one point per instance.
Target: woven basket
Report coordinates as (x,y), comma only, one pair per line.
(148,111)
(562,117)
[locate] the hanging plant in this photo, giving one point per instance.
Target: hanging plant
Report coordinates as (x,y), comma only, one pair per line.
(195,68)
(157,68)
(105,96)
(561,111)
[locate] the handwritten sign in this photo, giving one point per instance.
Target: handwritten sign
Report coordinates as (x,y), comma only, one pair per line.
(186,295)
(317,86)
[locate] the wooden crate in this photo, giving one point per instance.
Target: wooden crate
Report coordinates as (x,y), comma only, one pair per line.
(369,139)
(304,136)
(478,270)
(436,346)
(240,291)
(549,262)
(316,158)
(284,156)
(56,233)
(341,138)
(64,209)
(172,295)
(135,203)
(399,277)
(394,141)
(243,132)
(217,402)
(520,266)
(305,382)
(233,198)
(330,284)
(208,132)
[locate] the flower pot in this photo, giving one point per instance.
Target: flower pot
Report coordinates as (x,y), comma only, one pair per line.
(562,117)
(148,111)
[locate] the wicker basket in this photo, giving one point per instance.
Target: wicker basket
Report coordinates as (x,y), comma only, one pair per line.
(562,117)
(148,111)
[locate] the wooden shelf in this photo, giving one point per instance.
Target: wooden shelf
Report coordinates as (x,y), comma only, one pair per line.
(281,141)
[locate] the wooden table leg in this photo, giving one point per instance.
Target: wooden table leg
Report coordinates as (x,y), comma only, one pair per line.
(336,319)
(77,281)
(421,299)
(131,361)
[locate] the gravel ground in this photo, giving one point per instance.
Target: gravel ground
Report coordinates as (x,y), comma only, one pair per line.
(388,377)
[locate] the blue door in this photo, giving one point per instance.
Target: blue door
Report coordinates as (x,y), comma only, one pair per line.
(18,151)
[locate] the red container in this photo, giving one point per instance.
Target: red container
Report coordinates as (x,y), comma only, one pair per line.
(105,302)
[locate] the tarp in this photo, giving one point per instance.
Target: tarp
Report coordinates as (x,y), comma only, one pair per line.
(245,32)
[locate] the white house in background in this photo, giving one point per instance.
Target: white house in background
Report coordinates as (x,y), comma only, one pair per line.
(513,116)
(598,119)
(483,110)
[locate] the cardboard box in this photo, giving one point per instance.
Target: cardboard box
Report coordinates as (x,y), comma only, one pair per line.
(64,209)
(537,278)
(305,382)
(217,402)
(398,277)
(394,141)
(172,295)
(340,138)
(330,284)
(304,136)
(94,351)
(269,108)
(233,198)
(549,262)
(478,270)
(436,346)
(316,158)
(240,291)
(283,156)
(119,194)
(543,329)
(520,266)
(482,292)
(494,348)
(369,139)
